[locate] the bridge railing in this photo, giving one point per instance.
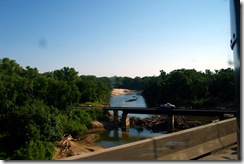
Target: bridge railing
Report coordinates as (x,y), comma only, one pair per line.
(183,145)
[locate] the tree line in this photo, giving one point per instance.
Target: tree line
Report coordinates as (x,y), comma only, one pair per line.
(37,108)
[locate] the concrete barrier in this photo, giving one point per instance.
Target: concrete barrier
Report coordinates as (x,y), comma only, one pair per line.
(183,145)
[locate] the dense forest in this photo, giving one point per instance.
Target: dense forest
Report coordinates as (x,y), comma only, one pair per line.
(37,108)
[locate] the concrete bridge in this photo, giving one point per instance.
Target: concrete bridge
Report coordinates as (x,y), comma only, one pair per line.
(169,112)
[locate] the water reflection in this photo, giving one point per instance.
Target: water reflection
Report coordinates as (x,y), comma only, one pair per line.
(121,136)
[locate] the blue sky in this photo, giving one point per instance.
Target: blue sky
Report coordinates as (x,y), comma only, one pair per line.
(116,37)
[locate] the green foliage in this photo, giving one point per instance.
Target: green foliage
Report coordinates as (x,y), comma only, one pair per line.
(36,122)
(66,74)
(127,82)
(61,94)
(223,85)
(191,88)
(94,89)
(95,113)
(77,122)
(74,127)
(35,150)
(36,109)
(10,67)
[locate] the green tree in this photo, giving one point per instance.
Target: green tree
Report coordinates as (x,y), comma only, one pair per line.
(222,87)
(36,122)
(93,89)
(66,74)
(151,91)
(10,67)
(35,150)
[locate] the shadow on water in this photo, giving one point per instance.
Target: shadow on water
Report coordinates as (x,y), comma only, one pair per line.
(119,136)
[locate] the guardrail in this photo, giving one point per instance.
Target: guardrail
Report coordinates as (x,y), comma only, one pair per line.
(183,145)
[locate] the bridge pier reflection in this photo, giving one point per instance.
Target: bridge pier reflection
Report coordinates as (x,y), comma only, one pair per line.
(125,132)
(116,116)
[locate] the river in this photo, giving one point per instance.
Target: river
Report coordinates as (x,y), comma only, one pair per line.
(122,136)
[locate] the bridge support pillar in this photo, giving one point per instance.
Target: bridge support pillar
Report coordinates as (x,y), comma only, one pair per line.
(116,116)
(125,120)
(171,122)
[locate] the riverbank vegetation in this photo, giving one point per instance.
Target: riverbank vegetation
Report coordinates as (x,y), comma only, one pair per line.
(37,109)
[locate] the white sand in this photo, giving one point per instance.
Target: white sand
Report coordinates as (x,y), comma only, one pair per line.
(120,91)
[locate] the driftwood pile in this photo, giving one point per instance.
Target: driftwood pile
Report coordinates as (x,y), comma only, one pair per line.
(64,145)
(160,123)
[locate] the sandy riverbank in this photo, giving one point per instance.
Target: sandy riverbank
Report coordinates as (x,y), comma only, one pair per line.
(120,91)
(82,145)
(77,148)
